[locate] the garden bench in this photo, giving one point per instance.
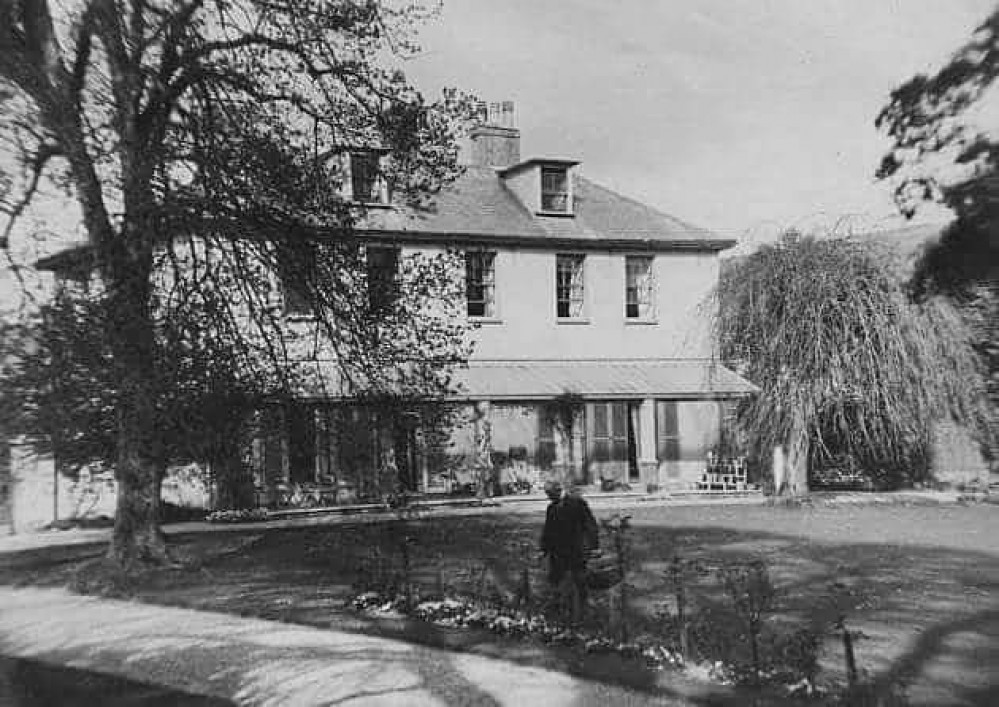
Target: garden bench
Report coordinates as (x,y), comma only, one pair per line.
(723,475)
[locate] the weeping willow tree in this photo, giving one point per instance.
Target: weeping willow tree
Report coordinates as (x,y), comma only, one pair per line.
(847,365)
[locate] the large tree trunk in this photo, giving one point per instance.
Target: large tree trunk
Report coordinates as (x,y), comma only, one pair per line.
(796,460)
(140,469)
(137,536)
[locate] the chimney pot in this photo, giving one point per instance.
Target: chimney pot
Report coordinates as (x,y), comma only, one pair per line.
(506,112)
(495,141)
(495,117)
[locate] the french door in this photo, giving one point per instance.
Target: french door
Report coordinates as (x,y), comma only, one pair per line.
(613,440)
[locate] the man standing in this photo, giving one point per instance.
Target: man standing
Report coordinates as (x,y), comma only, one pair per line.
(569,536)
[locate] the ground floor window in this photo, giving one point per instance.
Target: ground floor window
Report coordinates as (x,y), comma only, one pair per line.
(357,452)
(547,437)
(301,434)
(6,483)
(667,431)
(613,440)
(362,452)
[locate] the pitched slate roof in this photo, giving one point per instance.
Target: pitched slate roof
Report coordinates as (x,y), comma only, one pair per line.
(477,203)
(479,206)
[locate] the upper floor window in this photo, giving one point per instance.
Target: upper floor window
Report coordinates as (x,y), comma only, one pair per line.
(480,283)
(555,189)
(569,286)
(639,288)
(296,299)
(382,269)
(364,179)
(296,302)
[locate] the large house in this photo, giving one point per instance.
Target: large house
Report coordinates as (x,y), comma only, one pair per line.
(592,358)
(589,307)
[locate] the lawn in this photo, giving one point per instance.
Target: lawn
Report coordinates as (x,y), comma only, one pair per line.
(918,582)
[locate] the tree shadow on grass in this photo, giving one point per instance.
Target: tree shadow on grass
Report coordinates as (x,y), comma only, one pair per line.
(29,683)
(900,596)
(927,614)
(267,663)
(47,566)
(892,593)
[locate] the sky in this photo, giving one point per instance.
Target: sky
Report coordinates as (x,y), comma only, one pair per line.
(743,116)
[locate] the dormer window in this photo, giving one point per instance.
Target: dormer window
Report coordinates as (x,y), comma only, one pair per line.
(555,189)
(543,185)
(365,182)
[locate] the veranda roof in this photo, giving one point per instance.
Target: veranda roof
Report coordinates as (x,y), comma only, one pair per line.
(533,379)
(606,379)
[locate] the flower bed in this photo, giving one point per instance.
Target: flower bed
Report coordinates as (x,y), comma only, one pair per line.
(466,613)
(249,515)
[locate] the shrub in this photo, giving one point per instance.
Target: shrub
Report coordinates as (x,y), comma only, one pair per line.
(172,513)
(752,594)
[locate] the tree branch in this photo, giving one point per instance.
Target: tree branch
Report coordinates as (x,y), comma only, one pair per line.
(37,168)
(81,57)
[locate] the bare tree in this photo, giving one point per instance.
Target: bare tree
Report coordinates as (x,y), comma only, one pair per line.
(199,138)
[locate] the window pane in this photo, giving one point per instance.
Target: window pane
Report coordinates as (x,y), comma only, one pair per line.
(638,287)
(669,450)
(382,266)
(301,432)
(480,283)
(296,302)
(667,431)
(364,176)
(546,454)
(272,423)
(553,179)
(600,420)
(554,202)
(296,278)
(620,419)
(554,189)
(547,448)
(667,419)
(546,423)
(569,288)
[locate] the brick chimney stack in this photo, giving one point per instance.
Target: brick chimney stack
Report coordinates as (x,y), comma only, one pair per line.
(495,141)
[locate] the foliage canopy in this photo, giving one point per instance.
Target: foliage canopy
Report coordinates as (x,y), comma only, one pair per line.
(202,141)
(941,153)
(824,328)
